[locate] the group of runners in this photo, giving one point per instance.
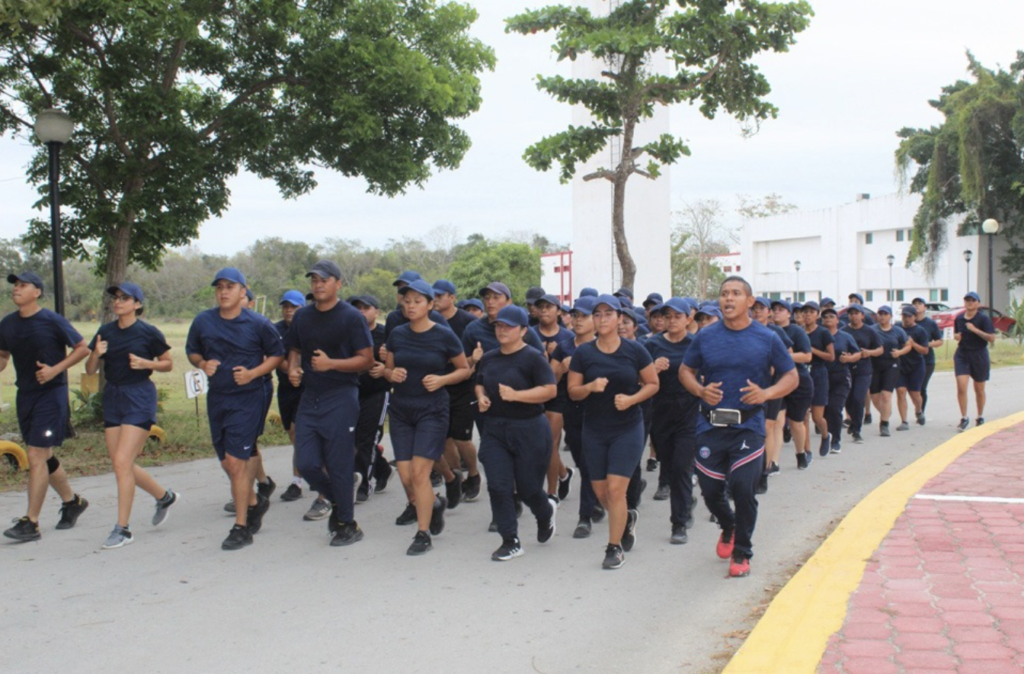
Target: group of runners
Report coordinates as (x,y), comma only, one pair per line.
(715,388)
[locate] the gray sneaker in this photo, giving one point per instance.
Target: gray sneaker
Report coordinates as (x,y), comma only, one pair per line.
(903,427)
(162,506)
(319,510)
(118,538)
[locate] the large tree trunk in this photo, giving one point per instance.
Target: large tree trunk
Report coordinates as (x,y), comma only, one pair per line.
(622,173)
(117,261)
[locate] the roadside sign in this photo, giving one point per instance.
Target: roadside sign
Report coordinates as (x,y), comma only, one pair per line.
(196,383)
(947,333)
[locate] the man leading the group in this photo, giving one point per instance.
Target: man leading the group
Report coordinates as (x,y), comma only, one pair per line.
(931,329)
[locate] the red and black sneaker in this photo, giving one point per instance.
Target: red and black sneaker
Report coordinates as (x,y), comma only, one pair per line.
(725,545)
(739,567)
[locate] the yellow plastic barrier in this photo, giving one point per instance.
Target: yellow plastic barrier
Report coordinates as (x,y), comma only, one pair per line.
(158,434)
(13,449)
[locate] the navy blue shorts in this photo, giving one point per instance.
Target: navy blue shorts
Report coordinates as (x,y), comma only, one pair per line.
(819,375)
(235,421)
(799,401)
(417,428)
(43,416)
(461,415)
(772,409)
(884,375)
(268,400)
(612,453)
(288,405)
(131,405)
(974,364)
(912,379)
(556,404)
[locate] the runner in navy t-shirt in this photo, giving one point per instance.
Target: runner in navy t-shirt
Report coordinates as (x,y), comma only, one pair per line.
(973,332)
(730,368)
(288,396)
(823,353)
(931,328)
(911,368)
(774,420)
(862,371)
(840,378)
(799,400)
(551,334)
(886,367)
(38,339)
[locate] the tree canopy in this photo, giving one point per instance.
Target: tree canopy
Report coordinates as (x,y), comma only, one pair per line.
(972,164)
(709,45)
(170,100)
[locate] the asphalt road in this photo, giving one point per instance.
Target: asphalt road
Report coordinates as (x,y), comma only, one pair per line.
(175,602)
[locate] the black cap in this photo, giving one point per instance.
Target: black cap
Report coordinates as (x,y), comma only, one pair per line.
(26,277)
(534,294)
(325,269)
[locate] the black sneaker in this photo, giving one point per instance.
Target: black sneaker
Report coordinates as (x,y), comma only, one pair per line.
(846,423)
(363,493)
(920,419)
(583,528)
(614,557)
(519,506)
(762,484)
(347,534)
(453,490)
(867,418)
(883,429)
(492,528)
(471,488)
(652,465)
(421,544)
(663,493)
(510,549)
(23,530)
(254,517)
(679,535)
(382,480)
(773,468)
(238,538)
(801,460)
(598,513)
(546,528)
(435,479)
(265,489)
(858,439)
(964,423)
(629,535)
(826,444)
(70,511)
(565,484)
(437,515)
(408,515)
(689,520)
(979,421)
(837,446)
(787,435)
(292,493)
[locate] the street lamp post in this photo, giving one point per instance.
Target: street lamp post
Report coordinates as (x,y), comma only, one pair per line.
(967,258)
(54,127)
(990,227)
(890,259)
(796,266)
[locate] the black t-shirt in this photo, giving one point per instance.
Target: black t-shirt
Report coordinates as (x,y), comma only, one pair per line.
(340,332)
(459,320)
(934,333)
(396,318)
(369,386)
(525,369)
(820,339)
(968,340)
(910,361)
(284,385)
(622,369)
(893,338)
(43,337)
(139,339)
(867,339)
(422,353)
(801,344)
(659,346)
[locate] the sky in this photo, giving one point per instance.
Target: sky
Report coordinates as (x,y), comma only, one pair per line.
(859,73)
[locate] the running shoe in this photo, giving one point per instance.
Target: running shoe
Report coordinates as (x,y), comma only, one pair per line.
(583,528)
(762,484)
(453,490)
(801,460)
(118,538)
(979,421)
(421,544)
(229,507)
(614,557)
(810,458)
(363,492)
(492,528)
(598,513)
(739,567)
(347,534)
(725,545)
(471,488)
(510,549)
(883,429)
(867,418)
(846,423)
(435,479)
(238,538)
(858,439)
(903,427)
(679,535)
(565,484)
(773,468)
(408,515)
(382,479)
(70,511)
(964,423)
(629,535)
(254,516)
(265,489)
(663,493)
(652,465)
(163,505)
(292,493)
(24,529)
(437,515)
(826,444)
(318,510)
(546,528)
(787,435)
(837,447)
(920,419)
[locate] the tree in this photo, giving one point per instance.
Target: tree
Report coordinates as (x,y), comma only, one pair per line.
(972,164)
(517,265)
(698,236)
(711,45)
(765,207)
(170,100)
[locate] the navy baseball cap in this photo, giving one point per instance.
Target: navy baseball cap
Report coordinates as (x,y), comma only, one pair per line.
(918,299)
(676,304)
(129,289)
(585,305)
(827,300)
(654,298)
(884,309)
(249,295)
(408,277)
(829,310)
(629,313)
(548,299)
(764,302)
(444,286)
(860,298)
(969,296)
(325,269)
(420,286)
(812,305)
(610,300)
(366,300)
(589,292)
(294,298)
(795,306)
(474,302)
(534,294)
(908,310)
(513,315)
(782,303)
(496,287)
(624,292)
(229,274)
(709,311)
(855,307)
(26,277)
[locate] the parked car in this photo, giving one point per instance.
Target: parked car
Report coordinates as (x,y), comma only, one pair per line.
(935,307)
(1003,324)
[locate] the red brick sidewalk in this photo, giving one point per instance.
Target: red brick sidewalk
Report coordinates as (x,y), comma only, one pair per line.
(945,590)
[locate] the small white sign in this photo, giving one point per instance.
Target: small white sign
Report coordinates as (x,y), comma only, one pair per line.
(947,333)
(196,383)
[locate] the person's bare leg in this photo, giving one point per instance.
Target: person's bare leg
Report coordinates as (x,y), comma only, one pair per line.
(979,398)
(38,479)
(961,393)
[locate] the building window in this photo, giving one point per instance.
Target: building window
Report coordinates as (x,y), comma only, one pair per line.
(775,296)
(899,234)
(945,294)
(737,269)
(727,269)
(799,297)
(899,295)
(933,295)
(869,295)
(869,238)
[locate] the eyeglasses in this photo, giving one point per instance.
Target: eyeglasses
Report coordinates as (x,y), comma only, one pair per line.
(123,298)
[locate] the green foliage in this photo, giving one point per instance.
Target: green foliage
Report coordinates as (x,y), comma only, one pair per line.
(1016,312)
(170,101)
(87,407)
(971,165)
(517,265)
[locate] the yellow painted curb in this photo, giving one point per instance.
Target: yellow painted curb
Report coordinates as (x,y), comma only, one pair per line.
(792,634)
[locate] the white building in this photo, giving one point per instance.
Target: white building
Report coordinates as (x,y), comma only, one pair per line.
(729,263)
(833,252)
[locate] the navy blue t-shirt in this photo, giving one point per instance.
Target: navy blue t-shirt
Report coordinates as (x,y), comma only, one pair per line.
(422,353)
(893,338)
(786,341)
(482,331)
(910,361)
(459,320)
(43,337)
(659,346)
(622,369)
(844,343)
(801,344)
(562,351)
(140,339)
(867,339)
(731,357)
(820,338)
(396,318)
(245,341)
(284,385)
(970,341)
(525,369)
(340,332)
(934,333)
(556,339)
